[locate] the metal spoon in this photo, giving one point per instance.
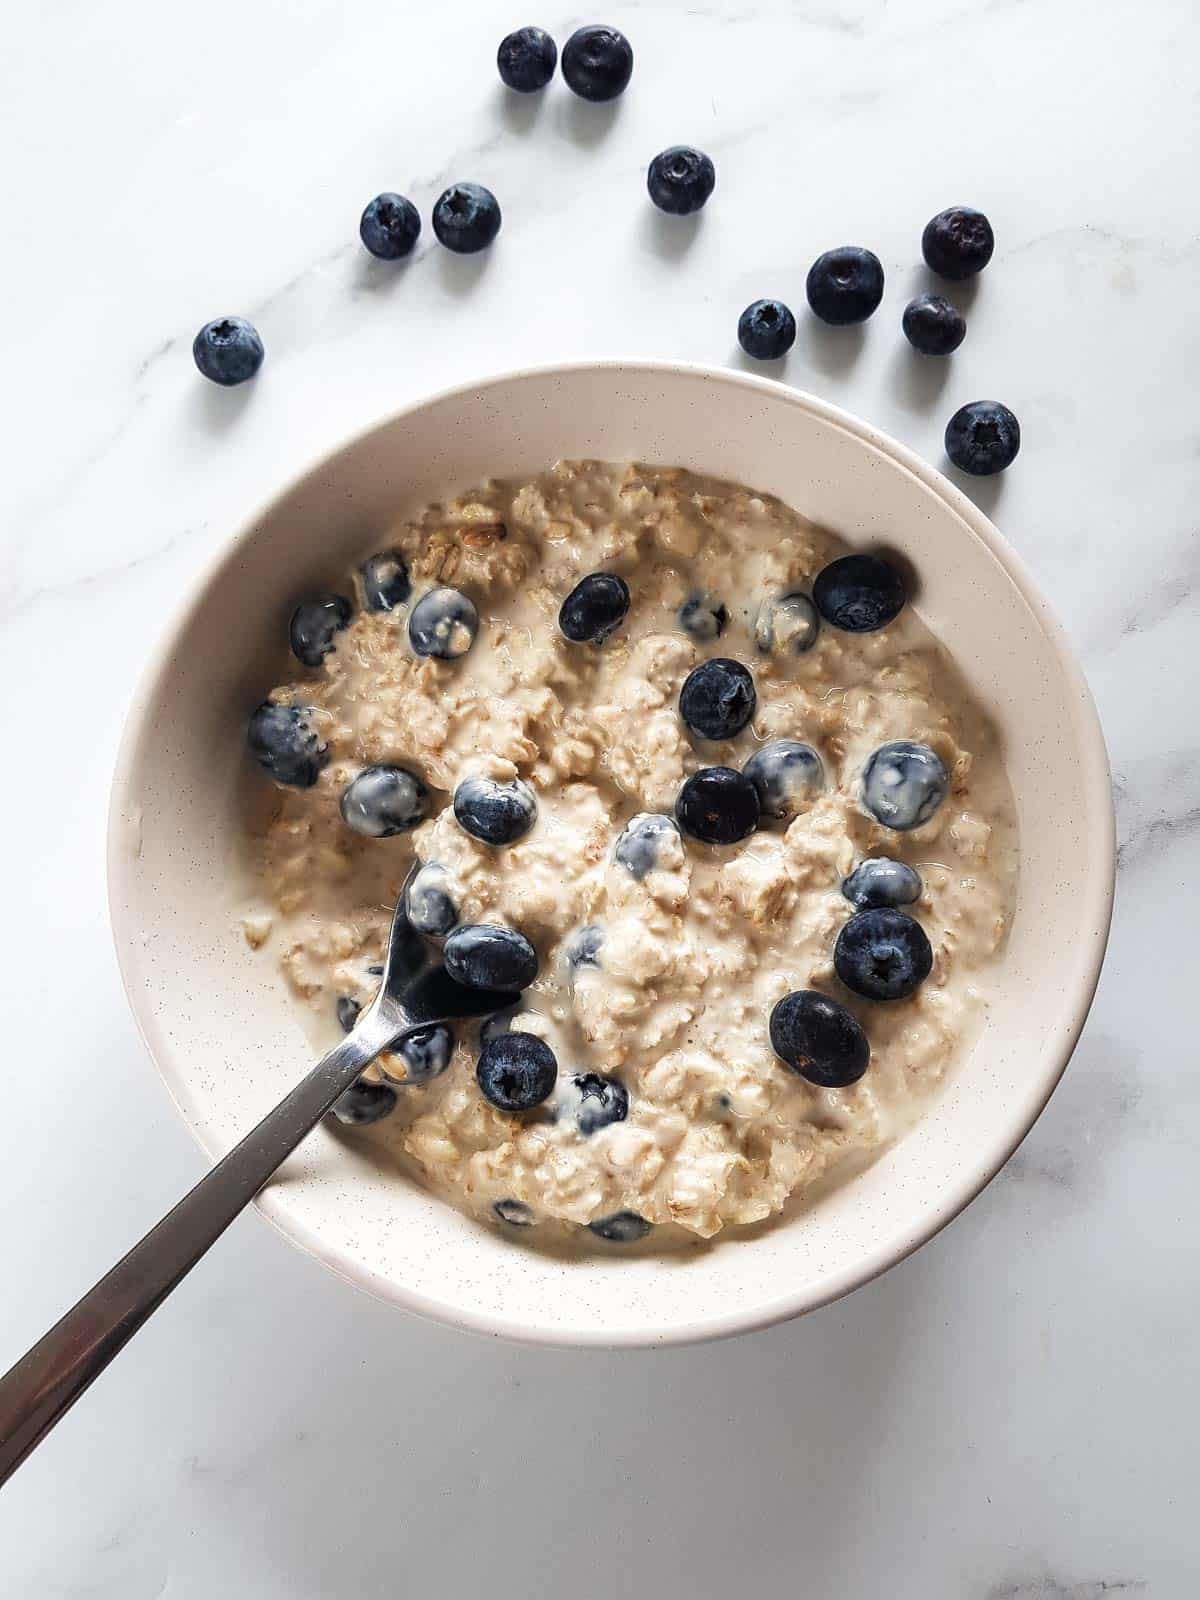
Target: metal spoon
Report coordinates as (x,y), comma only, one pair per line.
(51,1376)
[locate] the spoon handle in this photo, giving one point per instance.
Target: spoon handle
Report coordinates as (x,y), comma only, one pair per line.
(50,1377)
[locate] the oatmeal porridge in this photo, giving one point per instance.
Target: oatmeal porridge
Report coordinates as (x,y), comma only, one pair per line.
(702,817)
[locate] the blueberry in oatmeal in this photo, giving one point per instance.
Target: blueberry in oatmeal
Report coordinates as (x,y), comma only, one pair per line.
(597,63)
(680,180)
(819,1039)
(315,625)
(958,243)
(496,813)
(384,801)
(347,1012)
(883,954)
(859,593)
(983,438)
(595,606)
(717,806)
(644,842)
(879,881)
(526,59)
(430,905)
(583,947)
(389,226)
(703,617)
(787,623)
(284,742)
(484,955)
(766,330)
(623,1227)
(903,784)
(363,1103)
(593,1101)
(443,624)
(385,580)
(845,286)
(228,350)
(466,218)
(516,1071)
(424,1053)
(717,699)
(515,1212)
(786,775)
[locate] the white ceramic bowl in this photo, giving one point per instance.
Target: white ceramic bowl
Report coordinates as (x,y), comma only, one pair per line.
(225,1035)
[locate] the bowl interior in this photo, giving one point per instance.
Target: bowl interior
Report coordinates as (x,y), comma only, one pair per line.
(225,1035)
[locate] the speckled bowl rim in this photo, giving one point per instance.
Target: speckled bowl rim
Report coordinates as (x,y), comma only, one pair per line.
(1095,914)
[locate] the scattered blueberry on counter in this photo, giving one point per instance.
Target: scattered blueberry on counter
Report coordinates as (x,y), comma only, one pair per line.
(933,326)
(845,286)
(582,948)
(982,438)
(526,59)
(443,624)
(595,606)
(717,806)
(786,775)
(431,910)
(766,330)
(389,226)
(228,351)
(495,813)
(703,617)
(717,699)
(957,243)
(638,846)
(515,1212)
(623,1227)
(285,744)
(594,1101)
(466,218)
(384,801)
(903,784)
(385,580)
(859,593)
(484,955)
(786,622)
(516,1071)
(597,63)
(425,1053)
(819,1039)
(680,180)
(363,1103)
(880,881)
(313,627)
(882,954)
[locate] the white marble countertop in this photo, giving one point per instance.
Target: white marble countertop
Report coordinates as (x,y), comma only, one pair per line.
(1005,1415)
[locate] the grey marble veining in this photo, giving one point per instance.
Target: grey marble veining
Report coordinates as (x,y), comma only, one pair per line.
(1007,1416)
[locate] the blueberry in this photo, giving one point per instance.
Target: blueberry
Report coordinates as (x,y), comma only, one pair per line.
(385,581)
(859,593)
(703,617)
(638,848)
(680,180)
(515,1212)
(466,218)
(483,955)
(443,624)
(228,350)
(717,699)
(623,1227)
(526,59)
(363,1103)
(384,801)
(425,1053)
(958,243)
(496,813)
(879,881)
(819,1039)
(933,326)
(347,1012)
(597,63)
(983,438)
(582,949)
(430,909)
(882,954)
(434,993)
(766,330)
(389,226)
(595,606)
(313,626)
(594,1101)
(845,285)
(786,774)
(903,784)
(786,622)
(285,744)
(516,1071)
(717,806)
